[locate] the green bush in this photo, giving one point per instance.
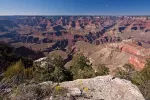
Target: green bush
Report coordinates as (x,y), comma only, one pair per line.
(53,71)
(18,73)
(126,72)
(119,72)
(139,78)
(145,89)
(1,97)
(8,56)
(28,73)
(142,76)
(81,67)
(101,70)
(142,80)
(59,73)
(14,70)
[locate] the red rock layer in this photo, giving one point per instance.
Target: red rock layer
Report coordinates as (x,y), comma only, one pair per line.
(139,54)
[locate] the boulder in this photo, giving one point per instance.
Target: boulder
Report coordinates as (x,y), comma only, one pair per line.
(98,88)
(103,87)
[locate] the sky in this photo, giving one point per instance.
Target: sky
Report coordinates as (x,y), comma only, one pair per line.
(74,7)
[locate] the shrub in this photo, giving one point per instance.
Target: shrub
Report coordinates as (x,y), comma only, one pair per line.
(139,78)
(142,80)
(28,73)
(14,70)
(79,60)
(9,55)
(27,62)
(18,73)
(119,72)
(145,89)
(81,67)
(127,72)
(102,70)
(53,71)
(1,97)
(142,76)
(41,74)
(83,73)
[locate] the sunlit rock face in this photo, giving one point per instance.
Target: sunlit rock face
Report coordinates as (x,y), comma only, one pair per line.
(138,62)
(138,54)
(104,87)
(98,88)
(115,55)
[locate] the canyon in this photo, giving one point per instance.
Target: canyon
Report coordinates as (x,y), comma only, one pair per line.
(108,42)
(50,33)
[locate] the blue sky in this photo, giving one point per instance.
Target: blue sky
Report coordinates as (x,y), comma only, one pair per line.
(74,7)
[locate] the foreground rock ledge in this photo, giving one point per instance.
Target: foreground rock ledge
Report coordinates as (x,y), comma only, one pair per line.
(102,88)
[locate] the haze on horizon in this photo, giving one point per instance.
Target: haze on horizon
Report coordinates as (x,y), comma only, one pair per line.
(74,7)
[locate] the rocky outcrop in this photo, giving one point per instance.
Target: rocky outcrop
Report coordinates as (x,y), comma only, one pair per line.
(98,88)
(103,88)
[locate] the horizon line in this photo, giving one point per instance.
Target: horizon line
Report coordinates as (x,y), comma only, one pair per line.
(76,15)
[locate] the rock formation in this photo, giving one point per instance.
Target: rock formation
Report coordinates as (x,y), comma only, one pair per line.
(103,88)
(115,55)
(138,54)
(65,31)
(98,88)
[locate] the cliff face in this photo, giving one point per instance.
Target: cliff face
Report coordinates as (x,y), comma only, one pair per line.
(96,30)
(115,55)
(66,31)
(138,54)
(102,54)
